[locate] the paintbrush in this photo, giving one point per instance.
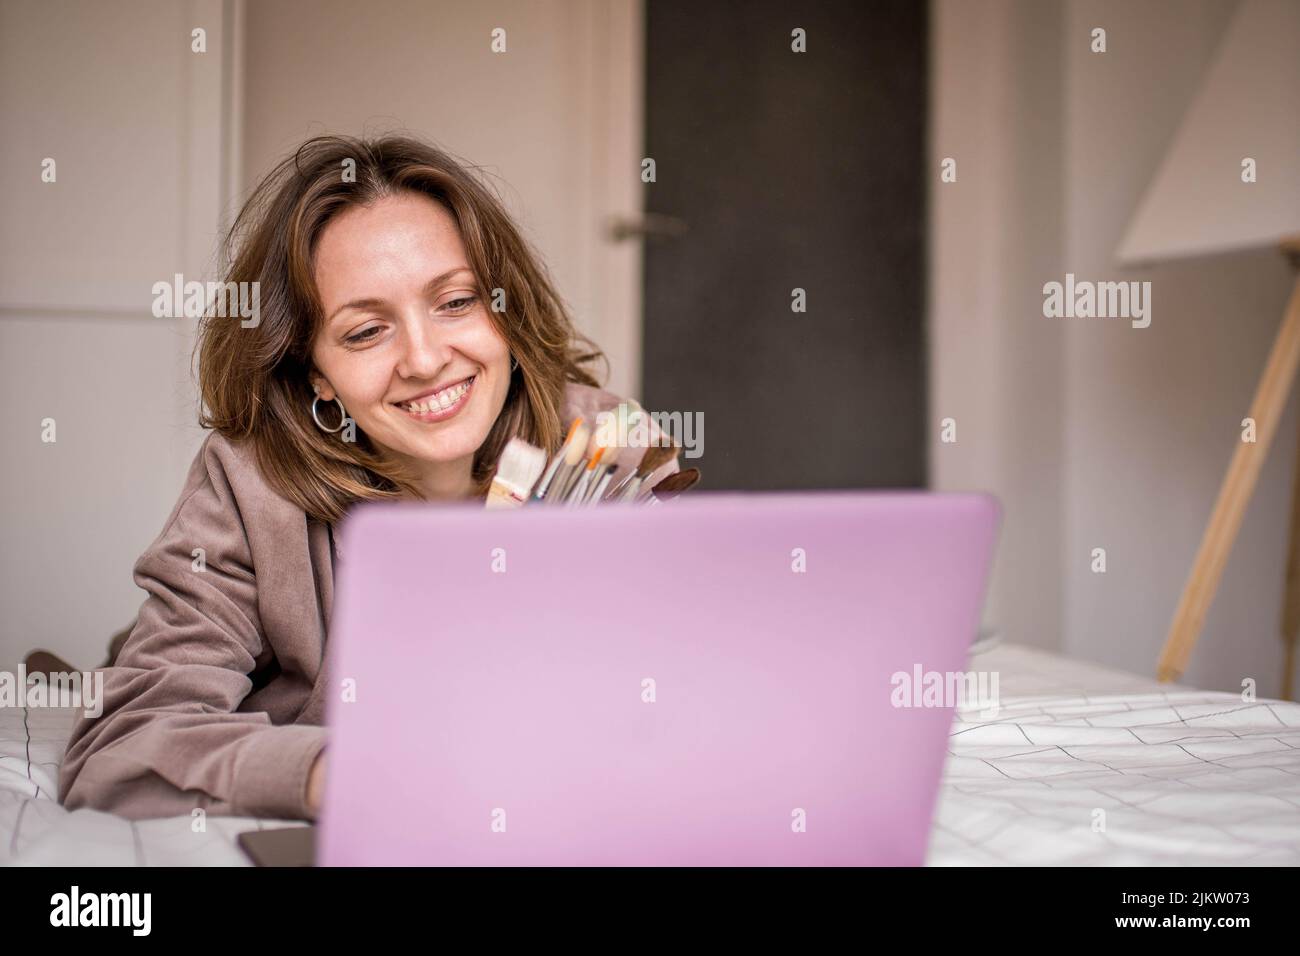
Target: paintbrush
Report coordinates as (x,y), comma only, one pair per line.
(629,490)
(615,431)
(574,450)
(598,451)
(653,458)
(598,492)
(571,440)
(603,475)
(673,485)
(574,497)
(517,470)
(589,449)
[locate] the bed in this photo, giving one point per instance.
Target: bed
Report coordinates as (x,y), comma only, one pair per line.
(1081,765)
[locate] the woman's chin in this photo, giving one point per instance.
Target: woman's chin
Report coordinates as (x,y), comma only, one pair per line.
(449,447)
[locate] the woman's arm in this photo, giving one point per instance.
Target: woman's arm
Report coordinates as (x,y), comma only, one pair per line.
(171,737)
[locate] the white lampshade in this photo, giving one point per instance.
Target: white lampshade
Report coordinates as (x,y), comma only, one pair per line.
(1248,106)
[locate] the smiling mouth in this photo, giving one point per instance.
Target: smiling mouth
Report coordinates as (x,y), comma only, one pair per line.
(440,405)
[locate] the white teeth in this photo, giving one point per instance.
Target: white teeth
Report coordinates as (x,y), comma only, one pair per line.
(439,402)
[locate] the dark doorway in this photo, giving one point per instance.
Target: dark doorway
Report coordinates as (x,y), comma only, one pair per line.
(790,170)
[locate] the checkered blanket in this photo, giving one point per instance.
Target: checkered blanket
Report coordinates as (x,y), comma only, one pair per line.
(1088,766)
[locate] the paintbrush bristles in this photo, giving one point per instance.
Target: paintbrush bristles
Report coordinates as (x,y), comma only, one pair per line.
(674,484)
(655,457)
(575,449)
(517,471)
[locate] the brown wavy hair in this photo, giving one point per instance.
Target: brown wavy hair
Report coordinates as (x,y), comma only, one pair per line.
(254,381)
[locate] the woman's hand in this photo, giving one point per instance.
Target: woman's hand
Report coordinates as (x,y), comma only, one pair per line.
(316,785)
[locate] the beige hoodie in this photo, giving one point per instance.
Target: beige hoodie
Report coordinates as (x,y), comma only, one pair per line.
(216,698)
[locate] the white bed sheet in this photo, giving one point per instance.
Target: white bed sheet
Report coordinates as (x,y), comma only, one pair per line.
(1173,775)
(1081,765)
(35,830)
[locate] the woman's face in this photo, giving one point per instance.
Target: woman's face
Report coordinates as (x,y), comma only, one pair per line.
(407,343)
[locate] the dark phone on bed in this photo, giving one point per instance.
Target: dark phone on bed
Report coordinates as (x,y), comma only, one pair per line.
(283,846)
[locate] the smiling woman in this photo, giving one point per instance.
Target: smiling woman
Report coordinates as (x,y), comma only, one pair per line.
(394,287)
(389,274)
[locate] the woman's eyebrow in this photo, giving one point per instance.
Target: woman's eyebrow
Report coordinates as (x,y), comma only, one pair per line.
(438,280)
(355,304)
(429,287)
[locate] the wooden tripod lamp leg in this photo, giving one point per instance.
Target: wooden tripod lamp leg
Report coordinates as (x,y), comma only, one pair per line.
(1238,485)
(1291,595)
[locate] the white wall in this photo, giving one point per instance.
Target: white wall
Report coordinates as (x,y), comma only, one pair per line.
(995,365)
(134,122)
(1096,434)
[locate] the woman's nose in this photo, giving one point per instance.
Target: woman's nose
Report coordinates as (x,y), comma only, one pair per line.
(424,350)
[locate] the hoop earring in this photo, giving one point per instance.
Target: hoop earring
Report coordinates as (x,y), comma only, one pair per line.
(343,415)
(514,364)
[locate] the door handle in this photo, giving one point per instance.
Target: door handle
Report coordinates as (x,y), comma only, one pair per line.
(650,225)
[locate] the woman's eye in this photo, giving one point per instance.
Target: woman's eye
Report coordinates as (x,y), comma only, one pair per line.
(362,336)
(462,304)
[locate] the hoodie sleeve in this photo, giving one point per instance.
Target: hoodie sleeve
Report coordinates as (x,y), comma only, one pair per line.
(170,737)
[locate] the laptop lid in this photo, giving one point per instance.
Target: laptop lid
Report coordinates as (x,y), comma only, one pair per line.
(714,681)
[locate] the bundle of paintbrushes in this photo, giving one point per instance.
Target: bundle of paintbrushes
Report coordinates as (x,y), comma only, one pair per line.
(581,473)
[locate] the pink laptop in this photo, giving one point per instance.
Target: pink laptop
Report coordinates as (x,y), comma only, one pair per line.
(707,682)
